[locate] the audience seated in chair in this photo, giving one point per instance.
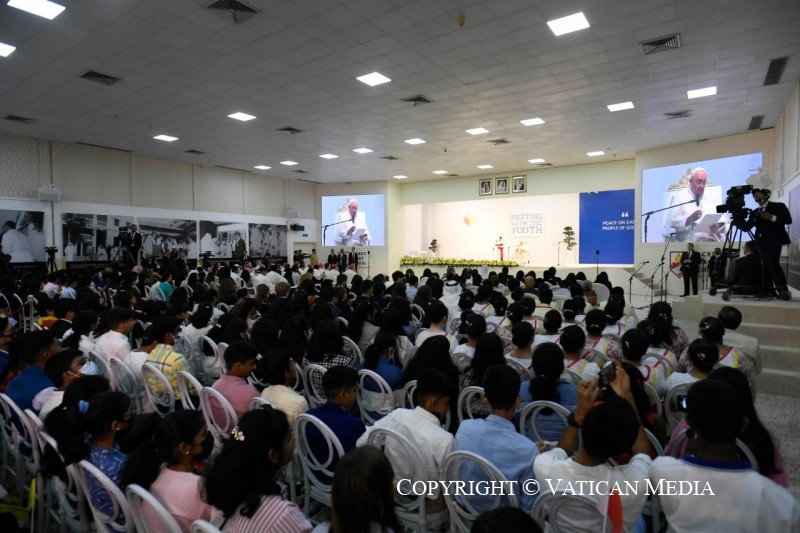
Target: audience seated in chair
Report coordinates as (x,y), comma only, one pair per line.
(634,346)
(240,361)
(280,371)
(33,350)
(164,357)
(573,341)
(61,369)
(114,342)
(703,356)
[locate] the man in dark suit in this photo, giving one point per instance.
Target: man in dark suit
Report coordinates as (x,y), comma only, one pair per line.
(352,258)
(134,244)
(716,267)
(690,267)
(240,247)
(342,260)
(747,271)
(333,259)
(770,220)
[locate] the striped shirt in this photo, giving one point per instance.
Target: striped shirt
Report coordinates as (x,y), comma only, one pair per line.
(170,363)
(275,515)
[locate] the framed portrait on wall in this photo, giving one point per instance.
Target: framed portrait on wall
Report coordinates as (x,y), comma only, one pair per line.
(484,187)
(518,184)
(501,185)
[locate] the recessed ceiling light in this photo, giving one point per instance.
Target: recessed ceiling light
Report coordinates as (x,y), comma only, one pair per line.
(699,93)
(6,49)
(484,167)
(373,79)
(262,167)
(568,24)
(532,121)
(362,150)
(329,156)
(414,141)
(620,107)
(595,154)
(244,117)
(42,8)
(440,172)
(536,161)
(477,131)
(400,177)
(289,163)
(167,138)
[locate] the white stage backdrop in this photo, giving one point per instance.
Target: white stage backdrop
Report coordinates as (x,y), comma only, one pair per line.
(531,227)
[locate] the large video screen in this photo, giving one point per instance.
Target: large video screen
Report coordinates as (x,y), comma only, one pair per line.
(353,220)
(691,193)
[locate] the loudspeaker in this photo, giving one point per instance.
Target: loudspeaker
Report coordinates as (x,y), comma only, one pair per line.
(49,194)
(297,227)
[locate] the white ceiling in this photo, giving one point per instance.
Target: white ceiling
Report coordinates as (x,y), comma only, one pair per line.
(184,68)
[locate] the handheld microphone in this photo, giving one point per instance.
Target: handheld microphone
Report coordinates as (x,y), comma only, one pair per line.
(697,200)
(645,262)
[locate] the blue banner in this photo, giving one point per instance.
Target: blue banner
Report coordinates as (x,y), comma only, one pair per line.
(607,226)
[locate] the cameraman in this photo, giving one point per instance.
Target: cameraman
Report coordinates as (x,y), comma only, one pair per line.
(770,220)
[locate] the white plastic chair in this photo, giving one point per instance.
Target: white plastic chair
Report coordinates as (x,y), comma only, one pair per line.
(66,502)
(316,488)
(204,526)
(155,518)
(119,519)
(105,368)
(187,383)
(416,333)
(564,512)
(417,313)
(463,512)
(406,397)
(570,376)
(519,368)
(655,399)
(219,414)
(668,365)
(31,314)
(215,365)
(374,404)
(532,411)
(312,374)
(408,465)
(673,414)
(465,401)
(677,441)
(125,381)
(158,390)
(342,320)
(595,356)
(19,437)
(352,348)
(259,403)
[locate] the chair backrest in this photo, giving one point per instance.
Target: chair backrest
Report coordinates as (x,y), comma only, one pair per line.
(407,398)
(312,374)
(204,526)
(188,387)
(148,513)
(158,389)
(71,498)
(465,401)
(595,356)
(570,376)
(538,430)
(654,442)
(519,368)
(352,348)
(314,466)
(454,324)
(417,313)
(219,413)
(676,445)
(119,518)
(655,399)
(668,366)
(31,313)
(564,512)
(374,404)
(416,333)
(671,408)
(464,511)
(219,362)
(125,381)
(462,360)
(259,403)
(342,320)
(105,367)
(20,433)
(491,327)
(223,307)
(614,337)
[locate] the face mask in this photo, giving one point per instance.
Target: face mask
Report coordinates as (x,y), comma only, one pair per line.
(90,369)
(208,447)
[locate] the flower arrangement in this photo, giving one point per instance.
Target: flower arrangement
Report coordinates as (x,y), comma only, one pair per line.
(434,246)
(409,261)
(569,237)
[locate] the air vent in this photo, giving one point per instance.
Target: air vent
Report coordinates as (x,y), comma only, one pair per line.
(775,71)
(499,141)
(417,100)
(390,158)
(755,122)
(239,11)
(290,130)
(452,175)
(663,44)
(300,171)
(545,164)
(194,152)
(310,181)
(21,120)
(232,168)
(104,147)
(678,114)
(99,77)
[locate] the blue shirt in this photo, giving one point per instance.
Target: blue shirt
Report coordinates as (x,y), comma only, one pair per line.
(30,382)
(110,461)
(392,374)
(496,439)
(345,426)
(550,426)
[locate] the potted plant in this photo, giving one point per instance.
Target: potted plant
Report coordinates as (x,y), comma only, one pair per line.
(433,246)
(569,237)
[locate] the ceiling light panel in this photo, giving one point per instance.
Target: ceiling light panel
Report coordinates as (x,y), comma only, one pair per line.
(440,172)
(595,154)
(329,156)
(244,117)
(568,24)
(6,49)
(620,107)
(42,8)
(400,177)
(262,167)
(532,121)
(484,167)
(477,131)
(373,79)
(362,150)
(167,138)
(289,163)
(699,93)
(536,161)
(414,141)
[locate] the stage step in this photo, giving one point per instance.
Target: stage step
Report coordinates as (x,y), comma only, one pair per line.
(775,335)
(782,358)
(774,312)
(784,382)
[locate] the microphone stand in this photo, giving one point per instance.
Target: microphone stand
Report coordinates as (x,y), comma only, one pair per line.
(558,255)
(665,273)
(659,269)
(325,229)
(597,263)
(630,281)
(647,215)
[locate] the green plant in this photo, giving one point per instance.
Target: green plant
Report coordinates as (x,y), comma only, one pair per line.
(434,245)
(569,237)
